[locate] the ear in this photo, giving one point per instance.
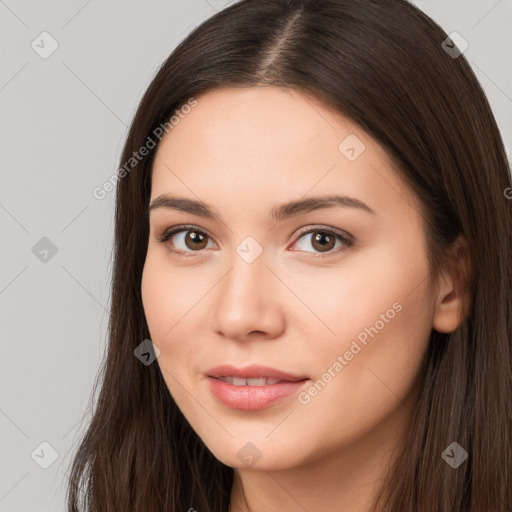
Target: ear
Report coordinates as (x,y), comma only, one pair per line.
(452,301)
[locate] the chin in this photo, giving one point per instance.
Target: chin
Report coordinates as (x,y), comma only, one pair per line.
(257,455)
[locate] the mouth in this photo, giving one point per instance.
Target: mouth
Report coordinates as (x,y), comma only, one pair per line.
(252,388)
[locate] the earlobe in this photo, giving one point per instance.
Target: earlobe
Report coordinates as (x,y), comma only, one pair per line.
(452,300)
(447,316)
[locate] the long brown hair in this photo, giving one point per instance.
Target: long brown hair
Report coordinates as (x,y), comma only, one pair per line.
(383,64)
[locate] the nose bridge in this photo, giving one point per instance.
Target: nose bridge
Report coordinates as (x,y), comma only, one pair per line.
(247,278)
(244,301)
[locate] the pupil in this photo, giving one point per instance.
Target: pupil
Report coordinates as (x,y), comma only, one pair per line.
(324,241)
(196,238)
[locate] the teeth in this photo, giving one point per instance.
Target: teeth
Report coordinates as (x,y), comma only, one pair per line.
(261,381)
(256,382)
(239,382)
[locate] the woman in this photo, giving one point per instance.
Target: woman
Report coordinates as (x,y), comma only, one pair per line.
(311,301)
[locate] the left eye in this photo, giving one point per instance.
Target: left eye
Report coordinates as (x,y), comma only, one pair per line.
(324,240)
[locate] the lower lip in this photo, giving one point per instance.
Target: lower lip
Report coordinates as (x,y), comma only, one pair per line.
(252,398)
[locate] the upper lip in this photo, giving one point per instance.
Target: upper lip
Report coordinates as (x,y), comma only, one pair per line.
(252,371)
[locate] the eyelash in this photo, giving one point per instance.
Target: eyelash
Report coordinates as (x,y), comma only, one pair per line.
(168,234)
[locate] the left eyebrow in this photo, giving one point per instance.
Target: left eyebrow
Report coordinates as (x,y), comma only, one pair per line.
(277,213)
(293,208)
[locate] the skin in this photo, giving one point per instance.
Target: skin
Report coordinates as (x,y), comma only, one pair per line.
(243,151)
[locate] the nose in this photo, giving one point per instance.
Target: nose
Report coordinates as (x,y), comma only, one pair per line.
(248,302)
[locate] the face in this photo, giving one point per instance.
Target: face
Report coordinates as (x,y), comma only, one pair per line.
(336,294)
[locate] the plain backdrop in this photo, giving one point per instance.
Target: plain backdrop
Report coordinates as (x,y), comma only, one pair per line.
(63,120)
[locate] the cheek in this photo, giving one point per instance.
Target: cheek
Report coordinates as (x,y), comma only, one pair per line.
(172,312)
(381,314)
(375,379)
(155,300)
(167,295)
(363,290)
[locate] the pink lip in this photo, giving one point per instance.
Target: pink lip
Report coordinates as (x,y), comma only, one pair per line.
(252,398)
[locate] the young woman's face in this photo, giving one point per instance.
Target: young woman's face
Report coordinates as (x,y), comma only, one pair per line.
(347,318)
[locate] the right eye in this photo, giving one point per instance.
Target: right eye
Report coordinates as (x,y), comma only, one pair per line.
(185,240)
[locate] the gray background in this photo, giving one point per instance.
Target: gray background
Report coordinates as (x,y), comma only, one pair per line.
(63,123)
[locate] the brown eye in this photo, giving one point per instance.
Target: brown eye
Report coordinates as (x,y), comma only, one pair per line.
(324,241)
(195,240)
(185,240)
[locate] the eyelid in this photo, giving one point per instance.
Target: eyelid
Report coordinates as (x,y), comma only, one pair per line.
(321,227)
(180,227)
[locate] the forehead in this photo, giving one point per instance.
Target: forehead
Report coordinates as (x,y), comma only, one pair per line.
(267,145)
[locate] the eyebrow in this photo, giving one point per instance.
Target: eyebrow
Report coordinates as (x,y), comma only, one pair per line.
(277,213)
